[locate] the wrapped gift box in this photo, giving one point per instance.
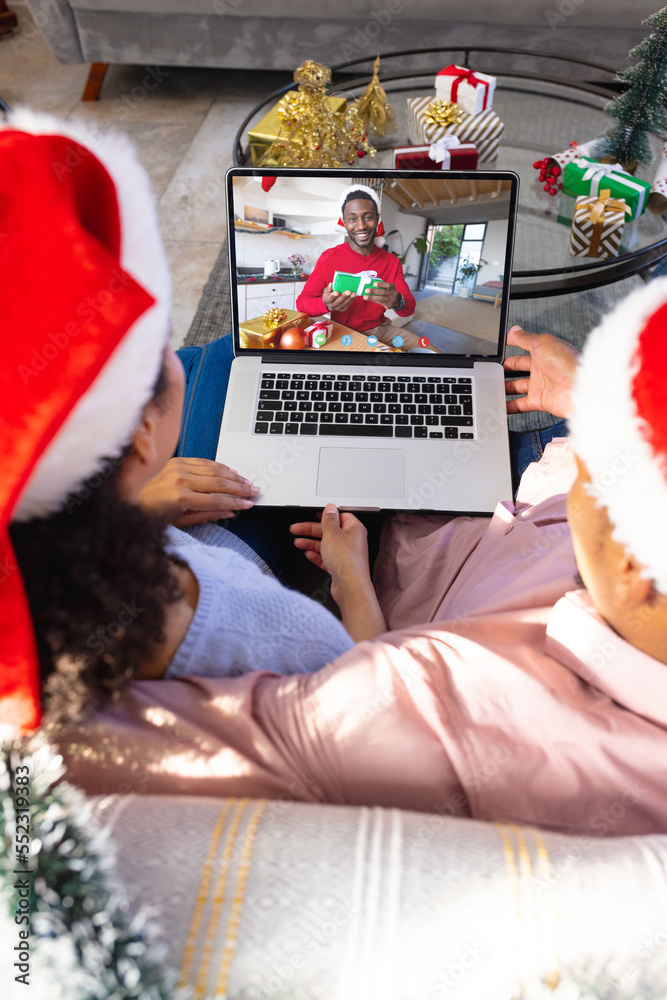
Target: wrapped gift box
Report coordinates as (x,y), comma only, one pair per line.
(318,333)
(597,226)
(254,333)
(437,156)
(586,177)
(471,91)
(266,131)
(343,281)
(658,199)
(484,131)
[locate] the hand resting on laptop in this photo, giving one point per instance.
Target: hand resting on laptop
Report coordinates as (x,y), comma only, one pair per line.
(197,491)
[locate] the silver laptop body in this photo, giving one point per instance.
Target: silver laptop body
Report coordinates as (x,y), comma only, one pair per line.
(439,455)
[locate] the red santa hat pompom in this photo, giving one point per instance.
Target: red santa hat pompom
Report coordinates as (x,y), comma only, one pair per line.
(619,425)
(363,191)
(84,321)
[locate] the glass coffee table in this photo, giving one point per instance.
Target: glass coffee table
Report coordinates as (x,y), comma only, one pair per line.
(542,114)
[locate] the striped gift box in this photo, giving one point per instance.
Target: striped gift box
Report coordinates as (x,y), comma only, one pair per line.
(597,226)
(484,130)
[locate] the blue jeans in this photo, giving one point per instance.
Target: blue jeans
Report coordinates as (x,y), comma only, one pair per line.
(206,380)
(265,529)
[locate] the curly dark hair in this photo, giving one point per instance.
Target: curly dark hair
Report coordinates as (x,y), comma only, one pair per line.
(98,581)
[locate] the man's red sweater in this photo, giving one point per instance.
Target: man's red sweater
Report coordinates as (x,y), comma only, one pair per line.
(361,315)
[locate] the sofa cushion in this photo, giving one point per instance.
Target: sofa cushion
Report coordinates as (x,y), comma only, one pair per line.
(616,13)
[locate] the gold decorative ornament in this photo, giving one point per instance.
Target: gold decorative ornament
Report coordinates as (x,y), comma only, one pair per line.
(274,317)
(373,107)
(312,134)
(441,114)
(312,76)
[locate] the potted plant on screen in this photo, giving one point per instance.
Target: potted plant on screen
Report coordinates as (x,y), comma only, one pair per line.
(419,243)
(467,274)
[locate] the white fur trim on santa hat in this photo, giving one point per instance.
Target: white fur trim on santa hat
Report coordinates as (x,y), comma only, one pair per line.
(366,191)
(628,479)
(101,424)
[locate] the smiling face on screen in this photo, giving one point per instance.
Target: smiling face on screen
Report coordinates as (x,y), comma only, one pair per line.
(360,218)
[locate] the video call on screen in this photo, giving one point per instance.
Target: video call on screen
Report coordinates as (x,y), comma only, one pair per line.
(445,248)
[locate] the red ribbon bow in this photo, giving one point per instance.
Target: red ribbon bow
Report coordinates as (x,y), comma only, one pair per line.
(464,75)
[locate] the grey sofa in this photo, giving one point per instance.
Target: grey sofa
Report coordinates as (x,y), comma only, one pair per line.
(278,34)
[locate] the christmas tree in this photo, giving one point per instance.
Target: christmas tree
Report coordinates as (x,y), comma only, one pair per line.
(374,108)
(641,109)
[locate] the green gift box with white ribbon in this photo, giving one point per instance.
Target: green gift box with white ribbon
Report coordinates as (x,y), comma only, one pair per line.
(584,176)
(343,281)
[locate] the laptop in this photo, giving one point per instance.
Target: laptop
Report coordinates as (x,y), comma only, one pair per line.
(370,408)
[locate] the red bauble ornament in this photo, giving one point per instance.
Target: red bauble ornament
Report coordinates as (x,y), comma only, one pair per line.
(560,186)
(360,153)
(553,191)
(537,164)
(554,171)
(293,339)
(547,186)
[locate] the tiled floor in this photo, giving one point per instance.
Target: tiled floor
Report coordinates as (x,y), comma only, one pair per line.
(183,122)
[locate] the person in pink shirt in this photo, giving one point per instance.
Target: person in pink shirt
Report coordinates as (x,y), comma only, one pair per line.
(360,217)
(486,681)
(504,689)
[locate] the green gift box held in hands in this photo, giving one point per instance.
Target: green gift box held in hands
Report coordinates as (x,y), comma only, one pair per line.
(343,281)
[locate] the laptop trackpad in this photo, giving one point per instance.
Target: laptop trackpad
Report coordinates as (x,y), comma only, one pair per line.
(361,472)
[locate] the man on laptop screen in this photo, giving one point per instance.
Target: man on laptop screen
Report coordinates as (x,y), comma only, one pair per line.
(361,305)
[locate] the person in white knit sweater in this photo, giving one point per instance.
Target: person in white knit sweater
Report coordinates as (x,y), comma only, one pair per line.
(93,407)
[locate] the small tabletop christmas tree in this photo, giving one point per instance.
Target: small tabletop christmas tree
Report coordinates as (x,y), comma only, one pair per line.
(374,108)
(641,109)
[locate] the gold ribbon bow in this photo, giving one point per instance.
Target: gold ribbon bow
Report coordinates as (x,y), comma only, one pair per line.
(274,317)
(597,216)
(290,107)
(443,113)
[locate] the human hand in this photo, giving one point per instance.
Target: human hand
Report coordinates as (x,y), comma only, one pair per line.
(196,491)
(338,545)
(382,292)
(337,301)
(551,364)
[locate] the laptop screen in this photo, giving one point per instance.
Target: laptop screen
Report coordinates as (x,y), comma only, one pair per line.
(393,262)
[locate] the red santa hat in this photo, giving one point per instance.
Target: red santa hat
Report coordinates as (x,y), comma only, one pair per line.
(84,320)
(619,425)
(362,191)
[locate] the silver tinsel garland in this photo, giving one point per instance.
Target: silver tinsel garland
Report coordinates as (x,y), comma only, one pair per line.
(82,944)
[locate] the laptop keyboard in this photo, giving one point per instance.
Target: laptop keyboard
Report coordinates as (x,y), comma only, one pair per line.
(377,406)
